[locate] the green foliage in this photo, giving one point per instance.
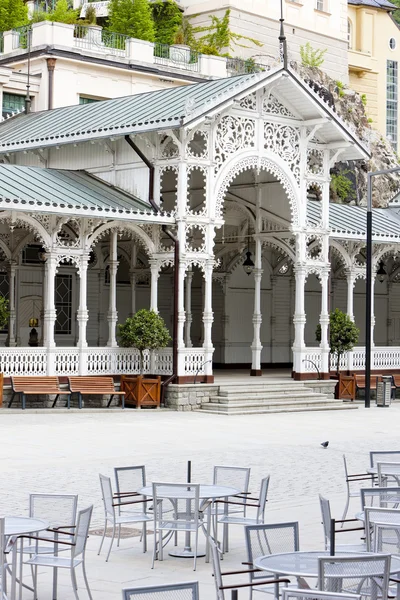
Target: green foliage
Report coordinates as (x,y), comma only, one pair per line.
(219,37)
(340,87)
(38,16)
(4,312)
(133,18)
(146,330)
(364,99)
(90,15)
(63,13)
(396,13)
(370,120)
(13,13)
(343,334)
(342,187)
(311,57)
(167,20)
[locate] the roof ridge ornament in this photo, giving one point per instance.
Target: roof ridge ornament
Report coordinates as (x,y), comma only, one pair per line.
(282,41)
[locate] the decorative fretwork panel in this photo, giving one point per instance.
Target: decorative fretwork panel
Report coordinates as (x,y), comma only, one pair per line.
(195,238)
(67,361)
(283,140)
(315,161)
(198,145)
(233,134)
(168,187)
(196,194)
(249,102)
(272,106)
(63,302)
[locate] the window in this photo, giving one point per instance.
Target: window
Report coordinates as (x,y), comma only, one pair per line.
(86,100)
(322,5)
(391,101)
(392,44)
(63,301)
(32,255)
(12,103)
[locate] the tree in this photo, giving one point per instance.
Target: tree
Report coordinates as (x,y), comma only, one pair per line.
(13,13)
(343,334)
(167,20)
(219,36)
(63,13)
(90,15)
(4,312)
(146,330)
(311,57)
(396,13)
(133,18)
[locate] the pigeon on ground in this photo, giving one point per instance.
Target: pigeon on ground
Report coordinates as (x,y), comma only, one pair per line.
(325,444)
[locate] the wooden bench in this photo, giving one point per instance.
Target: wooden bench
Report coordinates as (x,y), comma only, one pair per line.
(94,386)
(40,385)
(360,382)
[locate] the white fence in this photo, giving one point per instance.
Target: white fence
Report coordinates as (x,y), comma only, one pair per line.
(382,357)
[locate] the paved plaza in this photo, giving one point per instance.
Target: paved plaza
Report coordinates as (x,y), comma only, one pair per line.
(65,452)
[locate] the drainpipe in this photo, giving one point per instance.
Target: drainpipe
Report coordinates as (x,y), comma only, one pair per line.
(51,65)
(176,263)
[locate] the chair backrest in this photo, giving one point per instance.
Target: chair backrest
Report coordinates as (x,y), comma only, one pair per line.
(270,539)
(382,497)
(326,519)
(129,480)
(300,594)
(355,573)
(82,531)
(216,564)
(237,477)
(383,456)
(172,591)
(387,471)
(262,499)
(59,510)
(386,538)
(107,495)
(388,518)
(179,496)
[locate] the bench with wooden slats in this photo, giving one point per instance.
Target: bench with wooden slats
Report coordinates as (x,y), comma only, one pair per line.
(94,386)
(360,381)
(40,386)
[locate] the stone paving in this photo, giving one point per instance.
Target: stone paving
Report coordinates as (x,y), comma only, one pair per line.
(62,452)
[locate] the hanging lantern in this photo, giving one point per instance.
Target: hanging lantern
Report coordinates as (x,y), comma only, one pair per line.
(248,264)
(381,273)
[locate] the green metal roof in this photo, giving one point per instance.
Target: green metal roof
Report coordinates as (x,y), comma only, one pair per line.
(75,192)
(351,221)
(131,114)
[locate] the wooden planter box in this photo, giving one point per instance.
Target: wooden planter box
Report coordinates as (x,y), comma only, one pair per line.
(141,391)
(346,387)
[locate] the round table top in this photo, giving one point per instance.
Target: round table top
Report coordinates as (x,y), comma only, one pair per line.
(305,564)
(206,492)
(20,525)
(394,470)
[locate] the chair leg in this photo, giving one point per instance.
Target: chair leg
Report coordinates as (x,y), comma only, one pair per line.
(119,535)
(74,587)
(111,543)
(195,549)
(144,535)
(104,535)
(208,534)
(346,508)
(154,546)
(73,577)
(86,580)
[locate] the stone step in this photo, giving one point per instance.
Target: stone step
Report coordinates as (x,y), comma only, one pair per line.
(260,390)
(277,409)
(306,401)
(268,396)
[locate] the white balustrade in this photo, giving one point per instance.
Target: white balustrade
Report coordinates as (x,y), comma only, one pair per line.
(194,360)
(311,360)
(23,361)
(67,361)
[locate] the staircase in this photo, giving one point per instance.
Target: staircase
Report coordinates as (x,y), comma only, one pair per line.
(270,397)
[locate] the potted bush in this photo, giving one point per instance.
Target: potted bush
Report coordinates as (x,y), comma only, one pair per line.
(146,330)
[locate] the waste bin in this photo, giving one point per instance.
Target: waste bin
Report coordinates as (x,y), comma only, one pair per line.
(384,391)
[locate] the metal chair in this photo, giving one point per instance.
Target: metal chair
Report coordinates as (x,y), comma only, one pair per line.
(176,509)
(237,477)
(269,539)
(128,481)
(388,471)
(109,502)
(389,520)
(289,593)
(173,591)
(352,479)
(77,557)
(382,497)
(363,575)
(220,587)
(327,524)
(59,510)
(383,456)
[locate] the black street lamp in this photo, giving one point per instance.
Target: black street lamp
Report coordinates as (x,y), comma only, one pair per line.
(368,304)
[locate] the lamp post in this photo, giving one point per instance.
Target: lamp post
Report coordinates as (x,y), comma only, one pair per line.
(368,304)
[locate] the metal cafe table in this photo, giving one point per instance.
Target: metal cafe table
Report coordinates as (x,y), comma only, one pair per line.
(207,492)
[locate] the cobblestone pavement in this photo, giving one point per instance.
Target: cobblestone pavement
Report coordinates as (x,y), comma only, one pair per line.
(63,452)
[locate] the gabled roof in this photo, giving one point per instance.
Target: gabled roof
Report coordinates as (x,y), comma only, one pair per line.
(351,221)
(385,4)
(174,108)
(67,192)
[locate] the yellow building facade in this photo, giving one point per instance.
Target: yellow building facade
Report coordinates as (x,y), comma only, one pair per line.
(374,58)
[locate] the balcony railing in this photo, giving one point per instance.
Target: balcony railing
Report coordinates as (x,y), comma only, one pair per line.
(181,57)
(21,37)
(240,66)
(100,40)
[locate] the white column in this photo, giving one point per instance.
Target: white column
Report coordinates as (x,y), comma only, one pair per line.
(256,346)
(299,319)
(324,322)
(112,315)
(154,271)
(83,314)
(188,308)
(132,276)
(100,316)
(208,317)
(350,294)
(50,308)
(11,338)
